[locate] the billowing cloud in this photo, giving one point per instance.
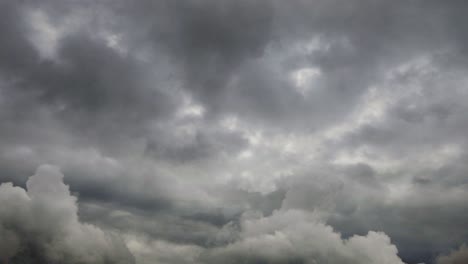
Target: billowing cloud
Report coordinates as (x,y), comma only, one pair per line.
(291,236)
(41,224)
(297,237)
(455,257)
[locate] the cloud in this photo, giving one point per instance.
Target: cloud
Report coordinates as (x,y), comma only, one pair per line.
(41,224)
(173,121)
(290,236)
(458,256)
(299,237)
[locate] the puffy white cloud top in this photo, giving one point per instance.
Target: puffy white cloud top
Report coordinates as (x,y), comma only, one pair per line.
(41,224)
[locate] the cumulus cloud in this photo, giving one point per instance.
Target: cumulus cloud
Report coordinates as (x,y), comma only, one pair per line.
(294,236)
(290,236)
(458,256)
(41,224)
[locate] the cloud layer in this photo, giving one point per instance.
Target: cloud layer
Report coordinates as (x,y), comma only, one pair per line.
(245,131)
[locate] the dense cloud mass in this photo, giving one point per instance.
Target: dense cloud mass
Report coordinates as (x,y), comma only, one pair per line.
(295,237)
(41,225)
(455,257)
(219,131)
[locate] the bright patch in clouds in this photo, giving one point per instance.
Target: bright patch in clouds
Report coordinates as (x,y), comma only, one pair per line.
(305,79)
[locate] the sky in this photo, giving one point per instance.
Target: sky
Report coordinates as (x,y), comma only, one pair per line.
(234,131)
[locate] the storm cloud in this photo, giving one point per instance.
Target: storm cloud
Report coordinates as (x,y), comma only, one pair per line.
(203,131)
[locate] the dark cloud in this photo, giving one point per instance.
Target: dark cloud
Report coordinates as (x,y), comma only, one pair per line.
(212,39)
(224,131)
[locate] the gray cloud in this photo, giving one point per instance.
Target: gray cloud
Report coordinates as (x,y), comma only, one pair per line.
(458,256)
(195,130)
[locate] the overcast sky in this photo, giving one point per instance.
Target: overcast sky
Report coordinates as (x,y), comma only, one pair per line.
(234,131)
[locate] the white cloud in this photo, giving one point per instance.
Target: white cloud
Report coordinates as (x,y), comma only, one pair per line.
(297,235)
(45,218)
